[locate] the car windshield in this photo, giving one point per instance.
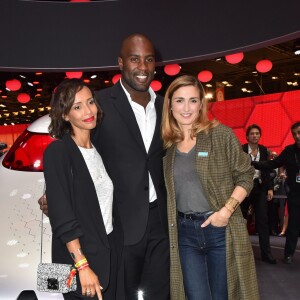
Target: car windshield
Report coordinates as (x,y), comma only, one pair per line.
(26,154)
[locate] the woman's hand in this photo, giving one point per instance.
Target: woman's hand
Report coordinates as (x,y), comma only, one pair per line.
(219,218)
(89,283)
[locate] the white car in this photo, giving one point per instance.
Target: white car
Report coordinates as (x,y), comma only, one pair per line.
(21,185)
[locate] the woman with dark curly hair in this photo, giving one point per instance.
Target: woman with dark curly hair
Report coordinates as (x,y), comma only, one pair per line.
(80,195)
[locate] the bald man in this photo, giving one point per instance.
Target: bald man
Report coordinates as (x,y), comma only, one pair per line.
(130,144)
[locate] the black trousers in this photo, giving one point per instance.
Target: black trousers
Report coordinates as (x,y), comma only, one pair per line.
(292,231)
(147,263)
(258,198)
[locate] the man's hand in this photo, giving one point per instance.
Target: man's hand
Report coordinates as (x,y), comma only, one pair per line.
(43,204)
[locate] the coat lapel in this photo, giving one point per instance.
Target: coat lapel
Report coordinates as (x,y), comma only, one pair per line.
(80,169)
(156,140)
(123,107)
(169,177)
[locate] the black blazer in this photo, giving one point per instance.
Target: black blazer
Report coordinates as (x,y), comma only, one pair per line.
(120,143)
(266,178)
(74,210)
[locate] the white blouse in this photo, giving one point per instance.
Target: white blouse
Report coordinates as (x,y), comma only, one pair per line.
(103,184)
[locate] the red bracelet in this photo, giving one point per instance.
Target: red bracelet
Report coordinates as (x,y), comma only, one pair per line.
(83,266)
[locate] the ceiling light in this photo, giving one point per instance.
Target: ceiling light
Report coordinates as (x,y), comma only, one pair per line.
(229,84)
(24,106)
(93,76)
(208,96)
(248,81)
(244,90)
(208,85)
(289,83)
(295,83)
(218,59)
(38,73)
(296,48)
(254,72)
(30,84)
(2,105)
(22,76)
(225,82)
(296,74)
(274,77)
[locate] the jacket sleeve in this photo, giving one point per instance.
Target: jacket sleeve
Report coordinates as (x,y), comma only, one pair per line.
(58,177)
(241,169)
(271,164)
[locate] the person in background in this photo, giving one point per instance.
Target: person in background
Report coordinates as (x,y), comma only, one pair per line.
(277,207)
(290,159)
(80,195)
(207,176)
(261,193)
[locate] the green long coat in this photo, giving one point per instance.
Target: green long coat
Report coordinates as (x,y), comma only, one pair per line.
(221,165)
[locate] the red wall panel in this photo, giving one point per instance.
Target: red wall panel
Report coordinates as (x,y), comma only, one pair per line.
(274,113)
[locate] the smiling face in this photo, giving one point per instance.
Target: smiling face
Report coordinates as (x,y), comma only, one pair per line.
(137,63)
(186,105)
(83,113)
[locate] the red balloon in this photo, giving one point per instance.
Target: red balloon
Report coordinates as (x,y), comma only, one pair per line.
(23,98)
(71,75)
(156,85)
(13,85)
(205,76)
(172,70)
(264,66)
(234,58)
(116,78)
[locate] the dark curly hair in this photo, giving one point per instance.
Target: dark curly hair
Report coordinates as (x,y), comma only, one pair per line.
(61,103)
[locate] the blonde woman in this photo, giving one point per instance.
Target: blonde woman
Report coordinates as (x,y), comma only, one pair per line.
(207,176)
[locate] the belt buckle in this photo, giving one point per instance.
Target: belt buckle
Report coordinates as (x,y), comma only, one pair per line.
(190,217)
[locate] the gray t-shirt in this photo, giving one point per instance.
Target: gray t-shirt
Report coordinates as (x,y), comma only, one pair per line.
(189,193)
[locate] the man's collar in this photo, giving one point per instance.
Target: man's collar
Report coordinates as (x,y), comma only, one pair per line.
(150,90)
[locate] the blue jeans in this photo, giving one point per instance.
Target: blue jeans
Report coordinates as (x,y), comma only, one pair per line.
(203,259)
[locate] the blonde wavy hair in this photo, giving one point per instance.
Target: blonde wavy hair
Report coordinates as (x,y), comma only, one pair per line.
(171,132)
